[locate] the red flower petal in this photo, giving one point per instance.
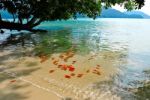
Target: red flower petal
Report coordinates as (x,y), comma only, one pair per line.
(79,75)
(67,76)
(98,66)
(73,62)
(59,66)
(71,68)
(96,72)
(51,71)
(61,56)
(64,67)
(87,71)
(72,74)
(12,81)
(53,58)
(43,60)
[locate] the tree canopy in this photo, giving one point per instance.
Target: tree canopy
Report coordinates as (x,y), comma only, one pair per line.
(30,13)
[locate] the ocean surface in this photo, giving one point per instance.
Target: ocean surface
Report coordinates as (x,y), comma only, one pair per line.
(129,38)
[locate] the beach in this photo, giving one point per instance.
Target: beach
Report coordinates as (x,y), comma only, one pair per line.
(78,60)
(55,81)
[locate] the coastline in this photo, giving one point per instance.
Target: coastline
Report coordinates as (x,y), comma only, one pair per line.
(27,68)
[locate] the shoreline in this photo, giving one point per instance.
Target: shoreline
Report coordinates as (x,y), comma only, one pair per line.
(32,70)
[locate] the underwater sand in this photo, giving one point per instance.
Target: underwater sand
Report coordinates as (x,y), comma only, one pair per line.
(37,79)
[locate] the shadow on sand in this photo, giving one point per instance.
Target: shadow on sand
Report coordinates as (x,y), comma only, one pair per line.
(16,48)
(9,89)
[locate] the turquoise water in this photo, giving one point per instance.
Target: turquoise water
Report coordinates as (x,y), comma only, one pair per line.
(128,37)
(131,37)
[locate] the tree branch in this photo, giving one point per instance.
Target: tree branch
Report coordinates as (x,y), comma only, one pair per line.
(18,26)
(37,23)
(33,19)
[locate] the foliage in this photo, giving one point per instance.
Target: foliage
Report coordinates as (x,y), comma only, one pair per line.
(128,4)
(33,12)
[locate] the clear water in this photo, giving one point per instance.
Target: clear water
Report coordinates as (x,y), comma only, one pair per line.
(129,37)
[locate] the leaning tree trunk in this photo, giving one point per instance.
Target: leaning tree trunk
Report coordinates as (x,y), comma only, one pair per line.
(18,26)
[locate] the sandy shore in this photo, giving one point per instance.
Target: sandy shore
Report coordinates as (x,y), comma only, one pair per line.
(26,77)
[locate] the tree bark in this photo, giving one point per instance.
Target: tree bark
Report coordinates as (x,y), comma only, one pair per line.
(18,26)
(0,17)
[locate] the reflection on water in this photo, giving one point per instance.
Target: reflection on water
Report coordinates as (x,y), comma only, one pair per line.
(116,43)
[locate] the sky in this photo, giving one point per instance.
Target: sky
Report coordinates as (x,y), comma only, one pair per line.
(145,9)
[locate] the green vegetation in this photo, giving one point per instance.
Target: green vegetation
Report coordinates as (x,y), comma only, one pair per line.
(27,14)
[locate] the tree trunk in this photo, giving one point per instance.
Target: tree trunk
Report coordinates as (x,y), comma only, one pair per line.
(18,26)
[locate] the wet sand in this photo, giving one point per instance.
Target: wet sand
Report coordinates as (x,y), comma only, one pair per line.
(53,78)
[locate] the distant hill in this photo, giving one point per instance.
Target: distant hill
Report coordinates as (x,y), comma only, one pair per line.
(137,12)
(113,13)
(106,13)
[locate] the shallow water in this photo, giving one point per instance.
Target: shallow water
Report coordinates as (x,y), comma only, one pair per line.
(120,46)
